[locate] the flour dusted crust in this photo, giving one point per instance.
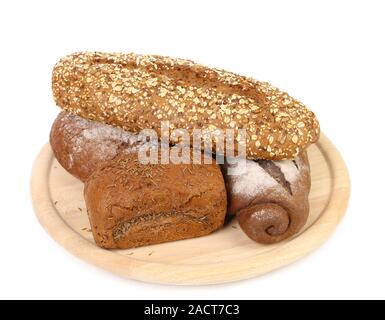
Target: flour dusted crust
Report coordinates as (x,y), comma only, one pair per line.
(132,205)
(270,198)
(81,145)
(137,92)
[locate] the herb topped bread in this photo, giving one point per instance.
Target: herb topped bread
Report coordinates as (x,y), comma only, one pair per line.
(130,204)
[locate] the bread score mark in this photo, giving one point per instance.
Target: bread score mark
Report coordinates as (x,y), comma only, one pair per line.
(121,230)
(276,173)
(296,164)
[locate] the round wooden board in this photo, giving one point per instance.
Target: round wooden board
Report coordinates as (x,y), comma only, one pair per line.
(224,256)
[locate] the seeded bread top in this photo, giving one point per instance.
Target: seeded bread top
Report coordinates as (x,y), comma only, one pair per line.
(138,92)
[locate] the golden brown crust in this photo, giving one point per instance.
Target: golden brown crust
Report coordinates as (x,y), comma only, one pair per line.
(137,92)
(132,205)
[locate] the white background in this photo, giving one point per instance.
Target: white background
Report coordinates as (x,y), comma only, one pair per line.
(329,54)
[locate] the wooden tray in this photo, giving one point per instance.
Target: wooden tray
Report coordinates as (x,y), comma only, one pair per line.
(224,256)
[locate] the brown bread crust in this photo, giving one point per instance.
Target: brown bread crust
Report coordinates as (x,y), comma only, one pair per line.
(273,205)
(137,92)
(81,145)
(132,205)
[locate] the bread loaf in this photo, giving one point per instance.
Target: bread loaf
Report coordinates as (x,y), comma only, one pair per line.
(81,145)
(132,205)
(270,198)
(137,92)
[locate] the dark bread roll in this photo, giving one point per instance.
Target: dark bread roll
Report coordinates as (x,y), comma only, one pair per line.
(270,199)
(81,145)
(131,204)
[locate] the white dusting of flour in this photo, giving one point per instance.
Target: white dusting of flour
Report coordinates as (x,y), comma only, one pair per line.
(254,180)
(289,170)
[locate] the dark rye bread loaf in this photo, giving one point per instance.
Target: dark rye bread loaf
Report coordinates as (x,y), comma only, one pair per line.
(132,205)
(138,92)
(270,198)
(81,145)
